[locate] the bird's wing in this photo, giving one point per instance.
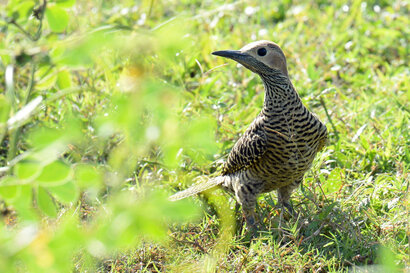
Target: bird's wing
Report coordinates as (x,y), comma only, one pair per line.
(248,149)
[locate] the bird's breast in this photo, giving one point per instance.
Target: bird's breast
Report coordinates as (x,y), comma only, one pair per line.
(292,144)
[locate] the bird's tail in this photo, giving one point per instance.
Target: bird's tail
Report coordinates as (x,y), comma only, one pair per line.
(198,187)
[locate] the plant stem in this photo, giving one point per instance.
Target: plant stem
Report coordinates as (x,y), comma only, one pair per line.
(14,135)
(322,102)
(37,35)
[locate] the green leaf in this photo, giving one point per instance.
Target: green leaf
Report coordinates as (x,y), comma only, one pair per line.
(43,137)
(4,108)
(45,203)
(65,193)
(180,211)
(86,49)
(23,203)
(26,169)
(9,192)
(198,140)
(65,3)
(45,78)
(70,130)
(57,18)
(64,79)
(388,259)
(47,82)
(55,173)
(22,10)
(87,176)
(171,151)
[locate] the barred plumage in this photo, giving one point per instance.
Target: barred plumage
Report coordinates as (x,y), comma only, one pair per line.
(279,146)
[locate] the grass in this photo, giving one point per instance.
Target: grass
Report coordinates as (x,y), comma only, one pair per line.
(349,63)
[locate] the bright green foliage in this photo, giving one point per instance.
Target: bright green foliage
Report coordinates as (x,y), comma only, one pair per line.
(64,79)
(106,107)
(57,18)
(27,170)
(87,176)
(45,203)
(9,192)
(56,172)
(65,193)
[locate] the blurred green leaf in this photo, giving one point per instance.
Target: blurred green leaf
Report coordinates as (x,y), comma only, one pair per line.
(46,203)
(172,38)
(66,240)
(82,51)
(68,131)
(8,192)
(201,134)
(171,152)
(181,211)
(197,140)
(57,18)
(43,137)
(27,169)
(65,3)
(87,176)
(65,193)
(388,259)
(45,78)
(4,108)
(23,203)
(54,173)
(129,219)
(21,9)
(64,79)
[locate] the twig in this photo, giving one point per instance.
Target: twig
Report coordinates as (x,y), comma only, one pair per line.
(13,22)
(324,194)
(30,86)
(316,233)
(189,242)
(39,14)
(212,69)
(40,17)
(151,6)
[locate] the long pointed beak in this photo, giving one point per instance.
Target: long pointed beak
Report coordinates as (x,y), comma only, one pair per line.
(235,55)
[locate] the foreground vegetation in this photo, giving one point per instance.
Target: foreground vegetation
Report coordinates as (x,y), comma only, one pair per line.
(107,108)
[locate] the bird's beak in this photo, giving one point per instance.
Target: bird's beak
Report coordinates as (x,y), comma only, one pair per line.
(235,55)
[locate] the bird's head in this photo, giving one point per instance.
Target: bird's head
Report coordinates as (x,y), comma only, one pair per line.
(261,57)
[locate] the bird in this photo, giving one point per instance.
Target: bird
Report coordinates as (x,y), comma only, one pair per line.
(278,147)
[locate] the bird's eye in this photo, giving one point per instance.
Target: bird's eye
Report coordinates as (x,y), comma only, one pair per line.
(262,51)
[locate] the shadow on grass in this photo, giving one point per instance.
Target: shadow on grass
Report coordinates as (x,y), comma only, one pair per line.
(325,230)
